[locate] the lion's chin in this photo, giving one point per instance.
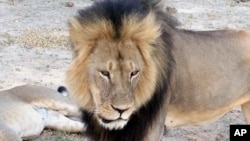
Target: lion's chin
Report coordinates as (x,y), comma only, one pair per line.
(113,124)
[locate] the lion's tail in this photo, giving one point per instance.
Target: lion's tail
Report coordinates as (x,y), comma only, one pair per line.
(63,90)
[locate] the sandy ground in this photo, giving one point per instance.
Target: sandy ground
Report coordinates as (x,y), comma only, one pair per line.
(35,49)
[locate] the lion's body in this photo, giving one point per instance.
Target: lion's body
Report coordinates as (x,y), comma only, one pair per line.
(133,71)
(212,76)
(26,110)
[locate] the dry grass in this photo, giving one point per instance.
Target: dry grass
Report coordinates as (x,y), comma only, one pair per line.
(6,39)
(37,38)
(43,38)
(50,135)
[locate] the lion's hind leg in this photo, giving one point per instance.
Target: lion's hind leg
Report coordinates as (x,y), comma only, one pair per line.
(246,111)
(58,121)
(8,134)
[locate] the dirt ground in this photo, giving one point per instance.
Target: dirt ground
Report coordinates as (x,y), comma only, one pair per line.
(35,49)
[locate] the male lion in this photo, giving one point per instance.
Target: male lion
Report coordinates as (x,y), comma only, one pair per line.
(26,110)
(133,71)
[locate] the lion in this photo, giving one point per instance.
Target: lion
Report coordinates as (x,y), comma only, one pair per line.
(134,71)
(26,110)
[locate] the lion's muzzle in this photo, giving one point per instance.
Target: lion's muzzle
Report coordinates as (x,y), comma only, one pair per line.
(115,117)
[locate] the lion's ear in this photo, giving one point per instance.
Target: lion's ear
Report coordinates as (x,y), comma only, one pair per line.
(144,32)
(82,44)
(84,31)
(74,24)
(75,30)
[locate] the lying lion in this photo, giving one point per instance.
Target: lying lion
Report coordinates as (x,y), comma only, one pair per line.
(133,71)
(26,110)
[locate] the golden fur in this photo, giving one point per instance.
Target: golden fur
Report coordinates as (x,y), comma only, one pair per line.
(182,77)
(26,110)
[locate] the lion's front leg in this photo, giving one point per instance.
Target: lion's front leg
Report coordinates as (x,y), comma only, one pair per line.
(156,132)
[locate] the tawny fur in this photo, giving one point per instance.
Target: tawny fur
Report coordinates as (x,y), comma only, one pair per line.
(26,110)
(212,76)
(185,77)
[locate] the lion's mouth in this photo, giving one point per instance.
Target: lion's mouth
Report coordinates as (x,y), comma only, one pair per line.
(117,122)
(113,124)
(106,121)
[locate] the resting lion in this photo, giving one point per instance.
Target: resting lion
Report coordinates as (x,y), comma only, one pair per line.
(133,71)
(26,110)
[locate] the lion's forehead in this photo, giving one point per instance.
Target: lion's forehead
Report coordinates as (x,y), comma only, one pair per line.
(115,54)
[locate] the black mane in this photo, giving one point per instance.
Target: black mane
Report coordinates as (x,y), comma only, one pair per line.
(113,11)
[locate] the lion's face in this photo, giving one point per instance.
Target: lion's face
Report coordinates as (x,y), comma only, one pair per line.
(109,76)
(113,73)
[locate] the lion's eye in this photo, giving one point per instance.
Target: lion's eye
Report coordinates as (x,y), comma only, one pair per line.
(105,74)
(134,73)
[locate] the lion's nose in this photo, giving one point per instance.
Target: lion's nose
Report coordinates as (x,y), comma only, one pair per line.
(119,109)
